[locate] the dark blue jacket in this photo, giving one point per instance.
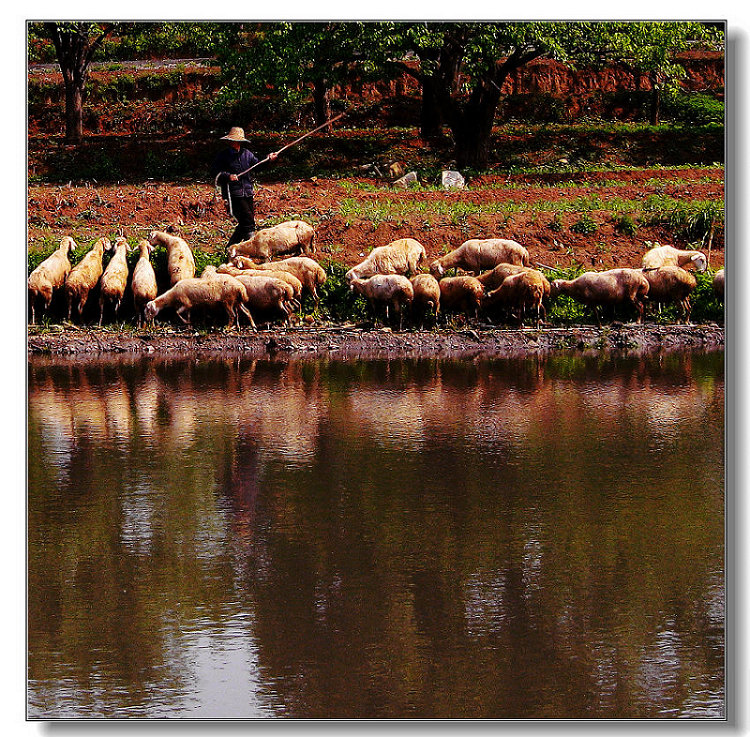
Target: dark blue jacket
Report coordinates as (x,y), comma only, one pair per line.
(229,161)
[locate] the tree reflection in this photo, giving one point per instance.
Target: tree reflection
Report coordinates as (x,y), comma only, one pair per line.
(504,538)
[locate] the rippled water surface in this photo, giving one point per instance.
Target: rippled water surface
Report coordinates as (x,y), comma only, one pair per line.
(404,538)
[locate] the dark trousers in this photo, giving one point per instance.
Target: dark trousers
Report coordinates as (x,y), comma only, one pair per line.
(244,210)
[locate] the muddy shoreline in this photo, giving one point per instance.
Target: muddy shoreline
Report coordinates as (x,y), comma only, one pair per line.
(349,341)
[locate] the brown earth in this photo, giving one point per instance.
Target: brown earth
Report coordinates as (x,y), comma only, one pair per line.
(346,235)
(351,341)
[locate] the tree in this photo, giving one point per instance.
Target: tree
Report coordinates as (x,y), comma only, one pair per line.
(462,66)
(75,45)
(292,58)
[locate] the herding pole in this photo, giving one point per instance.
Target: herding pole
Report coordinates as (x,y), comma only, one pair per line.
(283,148)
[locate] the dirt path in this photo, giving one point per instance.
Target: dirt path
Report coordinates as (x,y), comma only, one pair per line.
(351,341)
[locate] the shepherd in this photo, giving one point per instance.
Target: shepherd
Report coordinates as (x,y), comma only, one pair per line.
(231,170)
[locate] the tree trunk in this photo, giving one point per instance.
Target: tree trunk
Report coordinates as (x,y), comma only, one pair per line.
(472,130)
(73,113)
(321,101)
(655,105)
(431,120)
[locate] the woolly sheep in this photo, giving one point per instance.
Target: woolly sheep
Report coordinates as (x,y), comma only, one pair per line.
(606,287)
(115,278)
(402,256)
(718,283)
(671,284)
(267,293)
(189,293)
(284,276)
(84,276)
(292,235)
(391,290)
(461,293)
(50,275)
(521,291)
(478,254)
(494,278)
(426,294)
(143,284)
(670,256)
(180,260)
(307,270)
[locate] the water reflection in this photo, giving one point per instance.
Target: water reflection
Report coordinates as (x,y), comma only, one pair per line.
(427,538)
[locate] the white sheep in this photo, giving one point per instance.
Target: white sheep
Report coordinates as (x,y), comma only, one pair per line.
(285,276)
(494,278)
(718,283)
(307,270)
(190,293)
(671,284)
(50,274)
(461,294)
(180,260)
(287,237)
(402,256)
(391,290)
(115,278)
(143,283)
(84,276)
(426,295)
(614,286)
(670,256)
(521,291)
(478,254)
(267,293)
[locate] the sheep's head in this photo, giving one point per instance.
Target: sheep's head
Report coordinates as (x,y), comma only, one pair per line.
(69,243)
(556,287)
(699,262)
(350,276)
(144,245)
(106,244)
(436,269)
(121,241)
(149,311)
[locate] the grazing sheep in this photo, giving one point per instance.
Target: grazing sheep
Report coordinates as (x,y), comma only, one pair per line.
(206,293)
(307,270)
(718,283)
(606,287)
(267,293)
(478,254)
(293,235)
(494,278)
(426,295)
(520,291)
(143,284)
(670,256)
(114,278)
(180,261)
(50,275)
(284,276)
(84,276)
(390,290)
(402,256)
(461,294)
(671,284)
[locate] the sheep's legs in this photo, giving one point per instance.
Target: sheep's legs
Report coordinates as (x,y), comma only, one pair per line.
(246,312)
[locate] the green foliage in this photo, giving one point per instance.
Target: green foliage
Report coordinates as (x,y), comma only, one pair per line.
(694,108)
(624,223)
(337,301)
(585,225)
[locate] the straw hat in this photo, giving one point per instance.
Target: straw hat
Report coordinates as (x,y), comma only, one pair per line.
(235,134)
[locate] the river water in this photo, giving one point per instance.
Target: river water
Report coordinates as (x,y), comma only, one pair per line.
(224,538)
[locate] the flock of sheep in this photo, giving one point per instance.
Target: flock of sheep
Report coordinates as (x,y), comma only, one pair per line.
(501,281)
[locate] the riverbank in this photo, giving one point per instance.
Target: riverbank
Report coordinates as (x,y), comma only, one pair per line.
(350,340)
